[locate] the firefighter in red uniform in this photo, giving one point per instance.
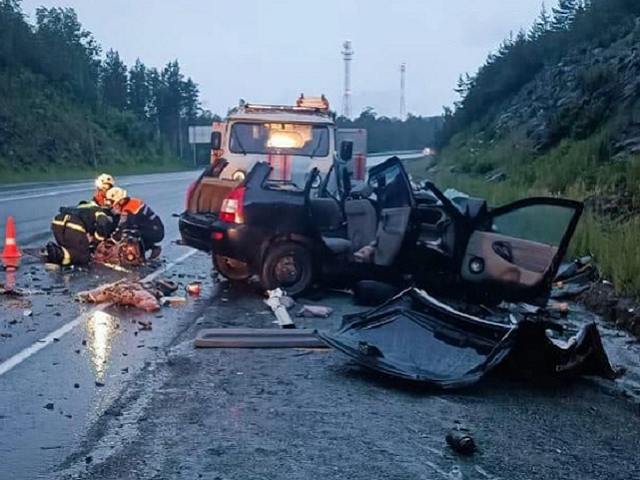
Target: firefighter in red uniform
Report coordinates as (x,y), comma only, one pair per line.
(136,215)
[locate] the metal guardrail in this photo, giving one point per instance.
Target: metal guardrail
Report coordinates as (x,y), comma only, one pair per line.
(398,153)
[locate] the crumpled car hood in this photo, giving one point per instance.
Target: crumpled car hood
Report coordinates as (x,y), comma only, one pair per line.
(415,337)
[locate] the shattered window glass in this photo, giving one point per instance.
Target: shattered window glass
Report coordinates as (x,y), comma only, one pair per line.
(538,223)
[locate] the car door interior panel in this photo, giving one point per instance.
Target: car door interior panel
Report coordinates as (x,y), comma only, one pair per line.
(391,231)
(506,259)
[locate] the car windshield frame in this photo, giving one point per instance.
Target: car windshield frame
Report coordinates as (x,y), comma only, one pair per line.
(252,137)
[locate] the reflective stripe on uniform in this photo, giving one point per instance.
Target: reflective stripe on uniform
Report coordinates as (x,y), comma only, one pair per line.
(72,226)
(66,260)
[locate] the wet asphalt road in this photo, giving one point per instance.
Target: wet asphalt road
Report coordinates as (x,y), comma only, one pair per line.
(102,345)
(131,404)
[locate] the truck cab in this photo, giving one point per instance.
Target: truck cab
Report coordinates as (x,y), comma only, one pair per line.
(292,139)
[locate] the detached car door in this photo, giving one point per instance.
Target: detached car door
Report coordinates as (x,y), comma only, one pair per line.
(514,251)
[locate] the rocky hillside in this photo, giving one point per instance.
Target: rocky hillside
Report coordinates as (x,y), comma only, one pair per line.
(586,90)
(558,107)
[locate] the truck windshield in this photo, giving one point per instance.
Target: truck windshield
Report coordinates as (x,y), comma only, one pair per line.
(289,138)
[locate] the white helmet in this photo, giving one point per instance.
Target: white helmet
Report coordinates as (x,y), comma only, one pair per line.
(115,195)
(104,181)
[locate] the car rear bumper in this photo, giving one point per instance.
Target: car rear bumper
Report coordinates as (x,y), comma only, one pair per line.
(195,230)
(209,234)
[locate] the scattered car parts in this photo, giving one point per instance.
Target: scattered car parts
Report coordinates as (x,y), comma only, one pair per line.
(257,338)
(414,336)
(279,307)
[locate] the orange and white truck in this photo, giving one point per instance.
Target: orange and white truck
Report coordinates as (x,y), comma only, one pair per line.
(291,138)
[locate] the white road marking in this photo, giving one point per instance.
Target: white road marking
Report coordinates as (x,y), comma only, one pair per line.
(18,358)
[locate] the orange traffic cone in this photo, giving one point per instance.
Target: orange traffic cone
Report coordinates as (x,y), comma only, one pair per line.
(11,254)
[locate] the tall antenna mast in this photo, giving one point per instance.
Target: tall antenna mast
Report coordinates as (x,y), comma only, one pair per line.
(403,108)
(347,54)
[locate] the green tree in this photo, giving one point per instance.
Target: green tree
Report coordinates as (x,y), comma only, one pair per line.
(140,94)
(191,107)
(16,39)
(564,14)
(67,53)
(542,25)
(114,81)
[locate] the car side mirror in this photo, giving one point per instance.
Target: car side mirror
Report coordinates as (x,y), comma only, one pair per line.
(346,150)
(216,140)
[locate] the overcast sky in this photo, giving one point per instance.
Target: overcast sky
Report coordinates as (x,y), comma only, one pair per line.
(271,50)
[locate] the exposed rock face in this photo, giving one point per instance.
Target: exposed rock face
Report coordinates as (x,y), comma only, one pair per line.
(576,96)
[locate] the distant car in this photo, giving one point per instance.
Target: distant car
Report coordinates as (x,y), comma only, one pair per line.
(328,230)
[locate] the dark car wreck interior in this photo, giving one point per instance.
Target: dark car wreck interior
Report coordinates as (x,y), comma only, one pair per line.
(390,223)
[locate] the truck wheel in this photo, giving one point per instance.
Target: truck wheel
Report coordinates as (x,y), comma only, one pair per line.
(231,269)
(288,266)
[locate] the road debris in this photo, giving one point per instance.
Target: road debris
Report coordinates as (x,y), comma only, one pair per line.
(193,288)
(12,290)
(288,302)
(574,278)
(166,287)
(416,337)
(455,473)
(279,309)
(315,311)
(173,301)
(144,325)
(258,338)
(124,293)
(461,441)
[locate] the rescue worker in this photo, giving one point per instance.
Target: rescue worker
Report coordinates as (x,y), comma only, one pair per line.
(136,215)
(103,183)
(77,230)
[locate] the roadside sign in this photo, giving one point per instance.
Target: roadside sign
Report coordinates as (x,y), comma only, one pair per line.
(199,134)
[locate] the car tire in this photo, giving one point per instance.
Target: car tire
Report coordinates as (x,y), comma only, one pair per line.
(231,269)
(288,266)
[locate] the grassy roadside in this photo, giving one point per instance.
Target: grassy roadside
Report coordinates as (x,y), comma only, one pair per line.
(63,172)
(614,244)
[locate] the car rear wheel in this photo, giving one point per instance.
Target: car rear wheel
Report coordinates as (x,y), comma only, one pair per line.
(288,266)
(231,269)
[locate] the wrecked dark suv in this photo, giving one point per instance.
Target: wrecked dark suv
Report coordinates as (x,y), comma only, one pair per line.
(385,229)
